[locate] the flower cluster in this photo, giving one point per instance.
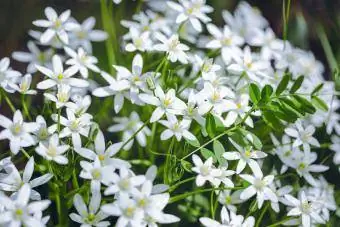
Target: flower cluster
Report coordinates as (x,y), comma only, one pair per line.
(244,105)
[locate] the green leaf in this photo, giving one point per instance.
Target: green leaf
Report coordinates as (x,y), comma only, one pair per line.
(194,143)
(254,93)
(208,153)
(272,120)
(219,150)
(256,142)
(319,103)
(282,85)
(297,84)
(317,89)
(266,93)
(210,125)
(306,105)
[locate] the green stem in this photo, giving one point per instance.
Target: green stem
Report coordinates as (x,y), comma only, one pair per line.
(26,112)
(280,222)
(167,162)
(261,215)
(8,101)
(212,204)
(133,135)
(58,125)
(173,187)
(185,195)
(75,179)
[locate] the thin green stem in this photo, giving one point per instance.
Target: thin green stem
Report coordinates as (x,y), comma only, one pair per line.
(212,204)
(133,135)
(167,162)
(8,101)
(58,124)
(173,187)
(24,105)
(279,223)
(75,179)
(185,195)
(258,222)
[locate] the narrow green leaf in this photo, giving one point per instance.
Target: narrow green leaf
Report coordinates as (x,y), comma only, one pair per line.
(254,93)
(219,150)
(206,153)
(266,93)
(194,143)
(210,125)
(282,85)
(317,89)
(297,84)
(186,165)
(319,103)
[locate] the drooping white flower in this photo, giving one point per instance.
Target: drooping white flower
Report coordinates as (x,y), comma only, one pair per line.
(17,132)
(193,11)
(91,215)
(34,57)
(12,181)
(174,49)
(164,103)
(305,209)
(19,211)
(176,128)
(206,171)
(53,151)
(55,25)
(228,42)
(24,85)
(59,76)
(303,136)
(62,97)
(245,156)
(81,61)
(228,219)
(129,126)
(260,186)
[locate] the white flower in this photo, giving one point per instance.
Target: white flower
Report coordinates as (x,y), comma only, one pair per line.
(59,76)
(303,136)
(105,155)
(24,85)
(53,151)
(260,186)
(19,211)
(62,97)
(176,128)
(192,10)
(151,175)
(336,148)
(96,173)
(34,57)
(305,209)
(304,166)
(56,25)
(173,48)
(43,132)
(129,126)
(228,219)
(140,41)
(206,171)
(74,126)
(245,156)
(91,215)
(227,41)
(126,209)
(214,98)
(83,34)
(207,67)
(135,79)
(239,110)
(191,112)
(80,104)
(164,103)
(280,193)
(81,61)
(124,183)
(8,76)
(249,67)
(230,200)
(17,132)
(12,181)
(115,88)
